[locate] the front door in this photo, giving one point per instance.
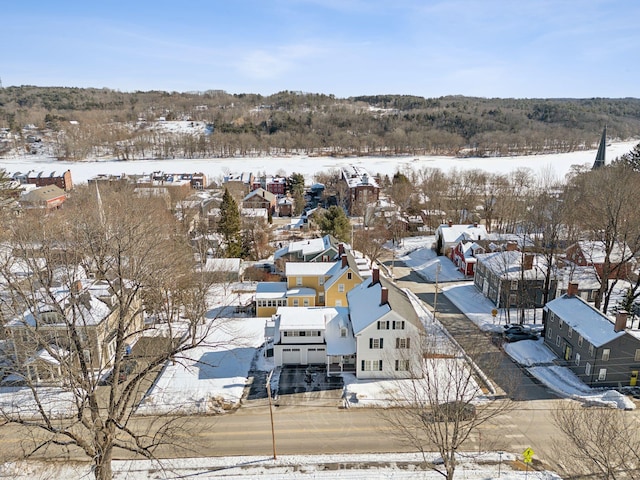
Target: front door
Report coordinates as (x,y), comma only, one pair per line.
(634,378)
(567,353)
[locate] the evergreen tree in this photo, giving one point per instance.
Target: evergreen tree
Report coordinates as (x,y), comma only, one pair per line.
(229,225)
(335,222)
(8,190)
(632,159)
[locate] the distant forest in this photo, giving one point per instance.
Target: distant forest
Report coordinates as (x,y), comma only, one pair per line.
(86,121)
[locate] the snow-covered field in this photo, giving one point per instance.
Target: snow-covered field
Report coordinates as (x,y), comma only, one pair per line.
(216,168)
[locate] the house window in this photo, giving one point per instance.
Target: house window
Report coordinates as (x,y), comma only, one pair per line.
(321,280)
(636,357)
(343,332)
(549,333)
(577,359)
(305,302)
(514,285)
(605,354)
(552,317)
(587,369)
(375,343)
(403,342)
(349,275)
(570,332)
(383,324)
(560,323)
(402,365)
(87,356)
(341,287)
(298,281)
(296,302)
(580,340)
(591,350)
(602,374)
(338,303)
(512,300)
(558,340)
(398,324)
(371,365)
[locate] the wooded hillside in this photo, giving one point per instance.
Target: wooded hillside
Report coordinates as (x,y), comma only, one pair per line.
(314,124)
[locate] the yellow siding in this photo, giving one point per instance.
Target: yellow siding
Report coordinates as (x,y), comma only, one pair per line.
(332,294)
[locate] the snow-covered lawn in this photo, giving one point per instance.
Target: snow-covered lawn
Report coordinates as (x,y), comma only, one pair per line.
(379,466)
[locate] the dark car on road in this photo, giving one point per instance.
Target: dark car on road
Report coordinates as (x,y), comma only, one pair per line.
(126,369)
(517,335)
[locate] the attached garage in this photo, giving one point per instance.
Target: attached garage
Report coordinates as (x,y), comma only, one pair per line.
(291,356)
(317,355)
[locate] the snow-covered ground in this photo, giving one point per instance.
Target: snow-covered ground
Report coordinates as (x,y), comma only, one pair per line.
(216,168)
(379,466)
(531,354)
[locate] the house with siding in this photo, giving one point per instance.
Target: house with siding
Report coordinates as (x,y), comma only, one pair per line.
(449,235)
(513,279)
(593,253)
(322,249)
(601,352)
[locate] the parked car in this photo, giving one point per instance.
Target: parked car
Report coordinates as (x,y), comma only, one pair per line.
(452,411)
(127,368)
(516,336)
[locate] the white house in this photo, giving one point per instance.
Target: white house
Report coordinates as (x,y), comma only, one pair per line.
(449,235)
(386,328)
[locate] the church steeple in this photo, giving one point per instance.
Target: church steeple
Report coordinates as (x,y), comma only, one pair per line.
(600,156)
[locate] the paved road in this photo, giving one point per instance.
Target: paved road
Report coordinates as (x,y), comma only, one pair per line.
(505,374)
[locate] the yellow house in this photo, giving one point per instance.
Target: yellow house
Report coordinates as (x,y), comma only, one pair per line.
(313,275)
(343,277)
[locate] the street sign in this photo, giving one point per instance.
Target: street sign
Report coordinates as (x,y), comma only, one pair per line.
(528,455)
(494,312)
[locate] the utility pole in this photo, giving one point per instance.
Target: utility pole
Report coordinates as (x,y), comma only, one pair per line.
(273,433)
(435,296)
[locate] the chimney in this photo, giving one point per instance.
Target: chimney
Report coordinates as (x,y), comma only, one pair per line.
(450,223)
(527,262)
(572,289)
(340,249)
(621,321)
(376,276)
(76,286)
(344,260)
(384,296)
(512,246)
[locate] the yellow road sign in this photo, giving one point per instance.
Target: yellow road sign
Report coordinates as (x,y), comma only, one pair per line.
(528,455)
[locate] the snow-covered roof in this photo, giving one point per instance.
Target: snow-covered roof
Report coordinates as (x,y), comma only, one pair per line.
(306,318)
(48,355)
(301,269)
(301,292)
(594,252)
(455,233)
(336,343)
(593,325)
(271,290)
(508,265)
(260,193)
(306,247)
(222,265)
(356,176)
(586,277)
(364,305)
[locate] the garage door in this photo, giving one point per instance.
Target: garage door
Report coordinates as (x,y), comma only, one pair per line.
(291,356)
(317,355)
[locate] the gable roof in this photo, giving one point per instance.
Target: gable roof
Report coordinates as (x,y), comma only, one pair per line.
(260,193)
(595,252)
(307,247)
(591,324)
(455,233)
(302,269)
(508,265)
(365,307)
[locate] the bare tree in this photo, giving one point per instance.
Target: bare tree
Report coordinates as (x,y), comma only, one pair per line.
(598,441)
(79,314)
(438,408)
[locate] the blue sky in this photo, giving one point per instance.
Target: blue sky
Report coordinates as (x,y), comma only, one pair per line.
(487,48)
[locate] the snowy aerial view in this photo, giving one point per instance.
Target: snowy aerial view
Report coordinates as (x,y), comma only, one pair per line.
(320,239)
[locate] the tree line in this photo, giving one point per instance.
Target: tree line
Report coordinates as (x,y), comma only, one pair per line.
(115,123)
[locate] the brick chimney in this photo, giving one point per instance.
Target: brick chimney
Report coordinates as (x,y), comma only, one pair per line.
(621,321)
(76,286)
(450,223)
(512,246)
(344,260)
(527,261)
(384,296)
(340,249)
(376,276)
(572,289)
